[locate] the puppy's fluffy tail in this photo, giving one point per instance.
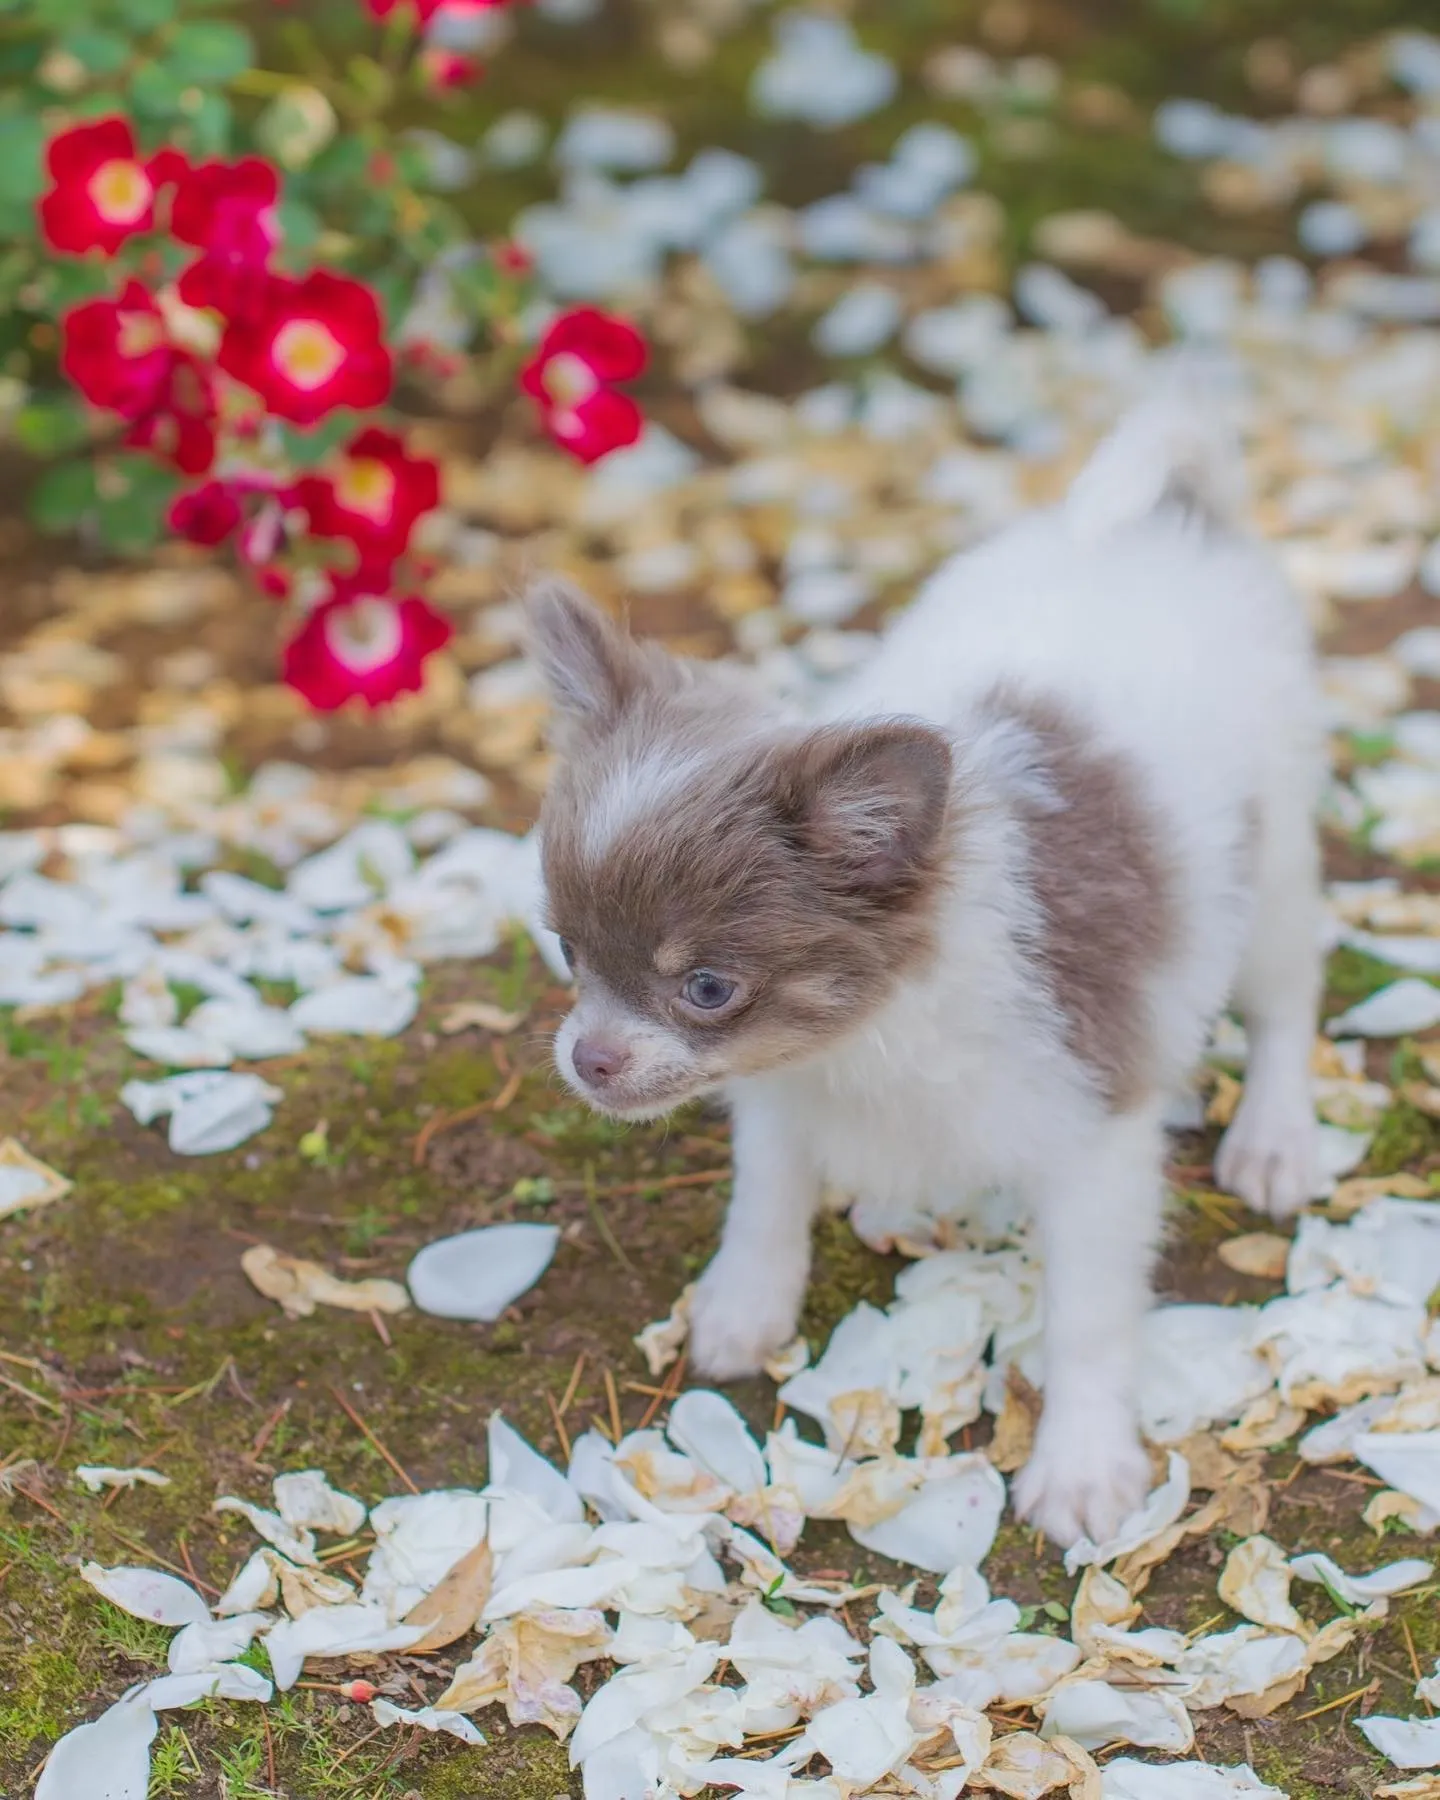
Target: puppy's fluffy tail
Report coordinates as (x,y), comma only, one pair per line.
(1174,447)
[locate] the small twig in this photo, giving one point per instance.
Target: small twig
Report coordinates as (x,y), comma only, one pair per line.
(509,1091)
(380,1329)
(359,1744)
(602,1225)
(1330,1705)
(39,1500)
(560,1430)
(1414,1659)
(572,1386)
(268,1430)
(370,1437)
(661,1184)
(269,1750)
(614,1400)
(185,1557)
(443,1122)
(671,1388)
(36,1399)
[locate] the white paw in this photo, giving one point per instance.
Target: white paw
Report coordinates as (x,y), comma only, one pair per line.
(1269,1156)
(1087,1473)
(739,1318)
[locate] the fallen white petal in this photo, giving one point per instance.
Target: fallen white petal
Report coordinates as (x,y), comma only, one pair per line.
(291,1542)
(200,1646)
(357,1005)
(306,1501)
(1095,1713)
(1408,1460)
(95,1476)
(109,1759)
(1126,1779)
(1359,1590)
(427,1718)
(148,1594)
(477,1274)
(708,1429)
(1402,1008)
(1408,1743)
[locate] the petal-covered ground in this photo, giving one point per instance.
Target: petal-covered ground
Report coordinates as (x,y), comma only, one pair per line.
(274,1030)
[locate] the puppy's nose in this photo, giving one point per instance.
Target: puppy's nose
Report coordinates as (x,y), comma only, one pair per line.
(598,1062)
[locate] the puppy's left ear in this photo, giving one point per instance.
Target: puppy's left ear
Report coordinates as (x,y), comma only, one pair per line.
(592,667)
(869,803)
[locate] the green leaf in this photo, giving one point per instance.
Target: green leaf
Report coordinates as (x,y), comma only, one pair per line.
(208,125)
(62,496)
(22,147)
(300,226)
(138,492)
(156,92)
(68,283)
(50,427)
(145,15)
(97,50)
(305,449)
(209,50)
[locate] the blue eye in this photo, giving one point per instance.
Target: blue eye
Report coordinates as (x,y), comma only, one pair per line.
(707,991)
(567,950)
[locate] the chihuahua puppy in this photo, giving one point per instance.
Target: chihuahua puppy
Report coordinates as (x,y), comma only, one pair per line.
(970,926)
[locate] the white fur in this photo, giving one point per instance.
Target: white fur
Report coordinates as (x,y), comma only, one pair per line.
(1176,642)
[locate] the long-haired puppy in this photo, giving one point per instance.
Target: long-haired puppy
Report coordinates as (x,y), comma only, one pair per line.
(970,926)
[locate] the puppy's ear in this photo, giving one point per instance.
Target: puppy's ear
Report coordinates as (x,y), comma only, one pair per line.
(868,803)
(591,667)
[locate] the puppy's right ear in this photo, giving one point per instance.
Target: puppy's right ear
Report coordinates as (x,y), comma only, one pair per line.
(591,667)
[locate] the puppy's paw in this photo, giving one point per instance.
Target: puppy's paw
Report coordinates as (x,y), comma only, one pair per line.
(1087,1473)
(1270,1155)
(739,1318)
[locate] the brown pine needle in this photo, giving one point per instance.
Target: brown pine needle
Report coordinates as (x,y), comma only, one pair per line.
(380,1329)
(669,1390)
(268,1429)
(370,1436)
(1414,1659)
(614,1400)
(560,1430)
(30,1394)
(602,1225)
(443,1122)
(572,1386)
(155,1557)
(1344,1700)
(509,1091)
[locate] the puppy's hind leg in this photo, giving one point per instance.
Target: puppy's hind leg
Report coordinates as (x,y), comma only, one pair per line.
(1098,1213)
(1269,1155)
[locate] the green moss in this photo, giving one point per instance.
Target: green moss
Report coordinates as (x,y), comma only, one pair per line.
(1405,1135)
(1352,975)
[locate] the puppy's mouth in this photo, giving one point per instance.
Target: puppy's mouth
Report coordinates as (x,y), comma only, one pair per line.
(637,1107)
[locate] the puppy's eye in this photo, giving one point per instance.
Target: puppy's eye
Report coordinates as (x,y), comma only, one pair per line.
(567,950)
(707,991)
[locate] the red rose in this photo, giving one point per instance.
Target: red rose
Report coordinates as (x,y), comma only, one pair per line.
(118,354)
(227,210)
(569,375)
(362,644)
(374,496)
(315,346)
(441,70)
(207,515)
(102,192)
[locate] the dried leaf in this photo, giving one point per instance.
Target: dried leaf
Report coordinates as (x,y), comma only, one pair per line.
(25,1181)
(300,1285)
(480,1015)
(1014,1436)
(1259,1253)
(452,1608)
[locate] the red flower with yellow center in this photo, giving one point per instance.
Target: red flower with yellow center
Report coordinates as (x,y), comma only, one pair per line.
(362,644)
(315,345)
(101,192)
(118,354)
(227,211)
(373,497)
(570,375)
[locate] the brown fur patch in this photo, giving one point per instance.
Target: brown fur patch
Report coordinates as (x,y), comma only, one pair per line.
(1105,894)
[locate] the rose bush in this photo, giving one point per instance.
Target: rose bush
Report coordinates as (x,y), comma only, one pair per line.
(207,297)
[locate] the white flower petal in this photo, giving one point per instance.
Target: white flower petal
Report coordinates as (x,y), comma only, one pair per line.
(477,1274)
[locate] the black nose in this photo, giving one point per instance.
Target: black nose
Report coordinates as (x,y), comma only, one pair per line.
(597,1062)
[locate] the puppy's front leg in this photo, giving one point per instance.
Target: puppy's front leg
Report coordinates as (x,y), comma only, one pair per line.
(1098,1219)
(747,1304)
